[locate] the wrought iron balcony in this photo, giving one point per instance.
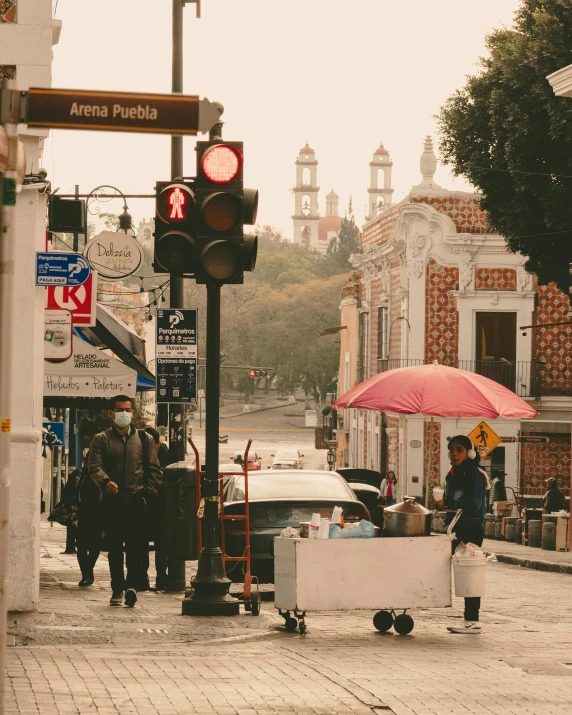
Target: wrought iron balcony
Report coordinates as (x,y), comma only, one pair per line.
(526,379)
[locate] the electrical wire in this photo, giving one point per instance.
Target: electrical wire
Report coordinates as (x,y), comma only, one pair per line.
(140,307)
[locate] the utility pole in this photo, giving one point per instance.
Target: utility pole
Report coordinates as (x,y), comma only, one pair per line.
(177,428)
(8,181)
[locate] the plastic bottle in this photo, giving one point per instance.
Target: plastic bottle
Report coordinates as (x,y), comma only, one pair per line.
(314,526)
(337,515)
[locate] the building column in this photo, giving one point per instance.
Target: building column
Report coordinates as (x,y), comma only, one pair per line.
(27,400)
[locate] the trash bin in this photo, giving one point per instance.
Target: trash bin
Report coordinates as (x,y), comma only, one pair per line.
(180,511)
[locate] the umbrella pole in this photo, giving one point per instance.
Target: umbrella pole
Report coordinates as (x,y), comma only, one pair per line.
(429,461)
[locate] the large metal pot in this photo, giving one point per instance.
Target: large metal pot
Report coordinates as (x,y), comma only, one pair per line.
(408,518)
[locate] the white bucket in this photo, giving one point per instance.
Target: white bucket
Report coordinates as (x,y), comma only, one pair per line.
(469,573)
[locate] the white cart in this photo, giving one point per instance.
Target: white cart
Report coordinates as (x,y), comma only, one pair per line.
(352,574)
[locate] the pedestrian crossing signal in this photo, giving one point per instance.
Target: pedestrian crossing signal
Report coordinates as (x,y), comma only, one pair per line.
(174,242)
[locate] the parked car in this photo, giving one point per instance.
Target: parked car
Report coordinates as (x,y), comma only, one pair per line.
(254,461)
(230,467)
(289,497)
(364,483)
(287,456)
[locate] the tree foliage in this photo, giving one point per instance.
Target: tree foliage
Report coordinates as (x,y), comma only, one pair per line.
(346,242)
(511,137)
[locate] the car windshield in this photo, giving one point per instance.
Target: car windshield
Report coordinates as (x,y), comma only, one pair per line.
(286,454)
(292,486)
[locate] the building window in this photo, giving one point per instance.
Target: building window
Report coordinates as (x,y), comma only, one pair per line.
(7,71)
(363,364)
(7,10)
(496,347)
(382,333)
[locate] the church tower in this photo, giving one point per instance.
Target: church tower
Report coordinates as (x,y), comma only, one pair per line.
(332,204)
(380,191)
(306,216)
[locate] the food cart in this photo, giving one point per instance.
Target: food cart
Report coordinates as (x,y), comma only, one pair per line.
(389,574)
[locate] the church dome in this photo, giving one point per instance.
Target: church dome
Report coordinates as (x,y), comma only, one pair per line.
(381,151)
(307,149)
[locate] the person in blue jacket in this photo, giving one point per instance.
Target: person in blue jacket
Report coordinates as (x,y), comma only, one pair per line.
(465,488)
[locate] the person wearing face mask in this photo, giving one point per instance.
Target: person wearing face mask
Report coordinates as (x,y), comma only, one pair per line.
(466,489)
(123,463)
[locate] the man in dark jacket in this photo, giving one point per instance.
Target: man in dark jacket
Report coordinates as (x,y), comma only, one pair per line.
(123,463)
(554,499)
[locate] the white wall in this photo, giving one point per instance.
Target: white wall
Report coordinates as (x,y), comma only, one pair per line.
(28,45)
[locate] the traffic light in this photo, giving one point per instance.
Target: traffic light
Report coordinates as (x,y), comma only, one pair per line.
(224,206)
(256,372)
(199,223)
(175,248)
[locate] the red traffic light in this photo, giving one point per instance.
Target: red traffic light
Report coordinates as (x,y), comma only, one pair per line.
(175,203)
(256,372)
(221,163)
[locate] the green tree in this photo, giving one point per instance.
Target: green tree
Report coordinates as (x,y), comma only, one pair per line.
(345,243)
(511,137)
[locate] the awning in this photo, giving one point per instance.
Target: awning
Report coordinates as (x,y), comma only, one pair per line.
(112,333)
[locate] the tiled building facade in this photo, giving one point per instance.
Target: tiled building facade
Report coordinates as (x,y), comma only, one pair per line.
(436,284)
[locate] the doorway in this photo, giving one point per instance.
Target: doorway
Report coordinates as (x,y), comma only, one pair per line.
(496,347)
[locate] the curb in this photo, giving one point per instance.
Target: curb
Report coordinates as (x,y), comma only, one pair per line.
(532,564)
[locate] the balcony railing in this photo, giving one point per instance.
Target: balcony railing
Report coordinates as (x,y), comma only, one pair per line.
(526,379)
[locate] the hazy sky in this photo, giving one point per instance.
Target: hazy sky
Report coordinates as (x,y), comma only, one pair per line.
(342,75)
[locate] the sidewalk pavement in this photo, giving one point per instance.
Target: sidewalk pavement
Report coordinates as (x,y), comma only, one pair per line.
(77,655)
(511,553)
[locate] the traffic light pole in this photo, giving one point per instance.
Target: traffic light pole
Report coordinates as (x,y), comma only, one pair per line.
(177,439)
(210,595)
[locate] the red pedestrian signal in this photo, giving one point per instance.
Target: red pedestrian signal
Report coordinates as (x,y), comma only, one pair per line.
(174,244)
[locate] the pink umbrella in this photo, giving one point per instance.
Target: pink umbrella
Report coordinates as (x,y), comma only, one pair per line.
(437,391)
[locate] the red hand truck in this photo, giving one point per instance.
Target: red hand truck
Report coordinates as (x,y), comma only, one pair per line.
(250,598)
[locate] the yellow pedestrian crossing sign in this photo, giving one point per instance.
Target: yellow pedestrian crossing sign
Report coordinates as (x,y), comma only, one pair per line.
(484,439)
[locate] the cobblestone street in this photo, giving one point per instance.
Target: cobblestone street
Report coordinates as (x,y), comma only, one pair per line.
(78,655)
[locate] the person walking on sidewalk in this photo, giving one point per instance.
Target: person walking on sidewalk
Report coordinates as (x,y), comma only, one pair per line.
(123,463)
(554,499)
(89,525)
(156,526)
(465,488)
(388,488)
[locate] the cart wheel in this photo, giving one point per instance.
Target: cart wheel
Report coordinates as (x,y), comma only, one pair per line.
(383,620)
(290,624)
(255,603)
(302,628)
(403,624)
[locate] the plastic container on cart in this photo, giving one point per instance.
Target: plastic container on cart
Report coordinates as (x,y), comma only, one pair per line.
(469,574)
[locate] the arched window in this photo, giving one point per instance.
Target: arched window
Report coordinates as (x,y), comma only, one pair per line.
(306,177)
(306,205)
(305,235)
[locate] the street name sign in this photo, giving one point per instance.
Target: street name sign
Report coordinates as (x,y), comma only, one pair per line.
(118,111)
(176,352)
(484,439)
(66,269)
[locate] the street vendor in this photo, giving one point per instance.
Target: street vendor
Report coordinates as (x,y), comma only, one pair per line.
(465,488)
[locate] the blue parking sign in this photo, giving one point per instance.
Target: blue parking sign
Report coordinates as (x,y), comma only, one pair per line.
(61,269)
(58,430)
